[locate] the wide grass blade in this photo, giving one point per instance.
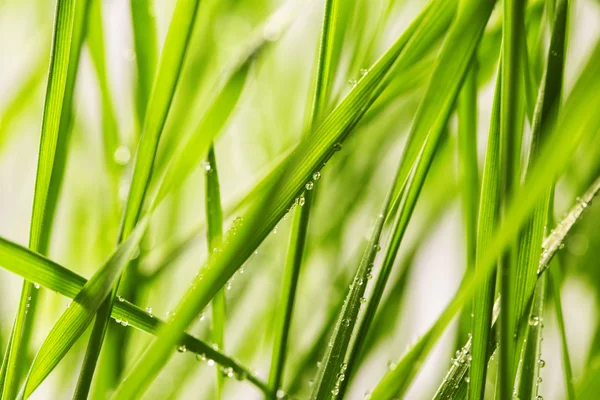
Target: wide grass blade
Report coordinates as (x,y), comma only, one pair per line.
(53,111)
(80,312)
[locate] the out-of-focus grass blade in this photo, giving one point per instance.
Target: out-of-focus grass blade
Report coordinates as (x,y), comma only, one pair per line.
(80,312)
(144,40)
(558,148)
(214,219)
(53,110)
(50,275)
(301,217)
(555,279)
(288,183)
(23,96)
(110,134)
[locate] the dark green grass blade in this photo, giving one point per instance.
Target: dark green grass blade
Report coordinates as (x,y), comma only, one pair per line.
(302,213)
(50,275)
(53,109)
(489,209)
(78,316)
(558,148)
(287,184)
(214,218)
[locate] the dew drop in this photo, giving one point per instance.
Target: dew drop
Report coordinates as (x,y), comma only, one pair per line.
(210,363)
(352,83)
(337,147)
(36,285)
(122,155)
(534,321)
(317,176)
(542,363)
(149,311)
(309,185)
(280,394)
(302,201)
(363,71)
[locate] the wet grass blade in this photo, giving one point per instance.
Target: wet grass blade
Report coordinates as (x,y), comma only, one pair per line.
(295,254)
(489,209)
(287,184)
(80,312)
(50,275)
(53,110)
(558,148)
(214,218)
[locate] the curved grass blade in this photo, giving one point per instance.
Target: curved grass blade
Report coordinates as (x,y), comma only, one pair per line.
(80,312)
(287,184)
(329,35)
(50,275)
(214,218)
(53,109)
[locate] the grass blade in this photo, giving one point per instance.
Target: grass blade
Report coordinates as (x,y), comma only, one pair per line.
(78,316)
(329,36)
(53,108)
(214,218)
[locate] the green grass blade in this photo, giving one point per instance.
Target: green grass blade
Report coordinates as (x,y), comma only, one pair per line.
(527,380)
(110,134)
(74,321)
(558,148)
(50,275)
(169,69)
(144,40)
(510,134)
(288,183)
(214,218)
(489,209)
(302,213)
(53,107)
(555,279)
(469,177)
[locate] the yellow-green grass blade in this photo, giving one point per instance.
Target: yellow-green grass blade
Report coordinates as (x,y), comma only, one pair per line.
(287,184)
(55,277)
(214,219)
(80,312)
(53,110)
(559,148)
(143,22)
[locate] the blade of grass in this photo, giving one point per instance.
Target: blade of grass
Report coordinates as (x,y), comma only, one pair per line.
(510,133)
(53,105)
(469,177)
(214,218)
(554,277)
(295,255)
(430,121)
(558,148)
(287,184)
(144,40)
(50,275)
(169,69)
(489,209)
(80,312)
